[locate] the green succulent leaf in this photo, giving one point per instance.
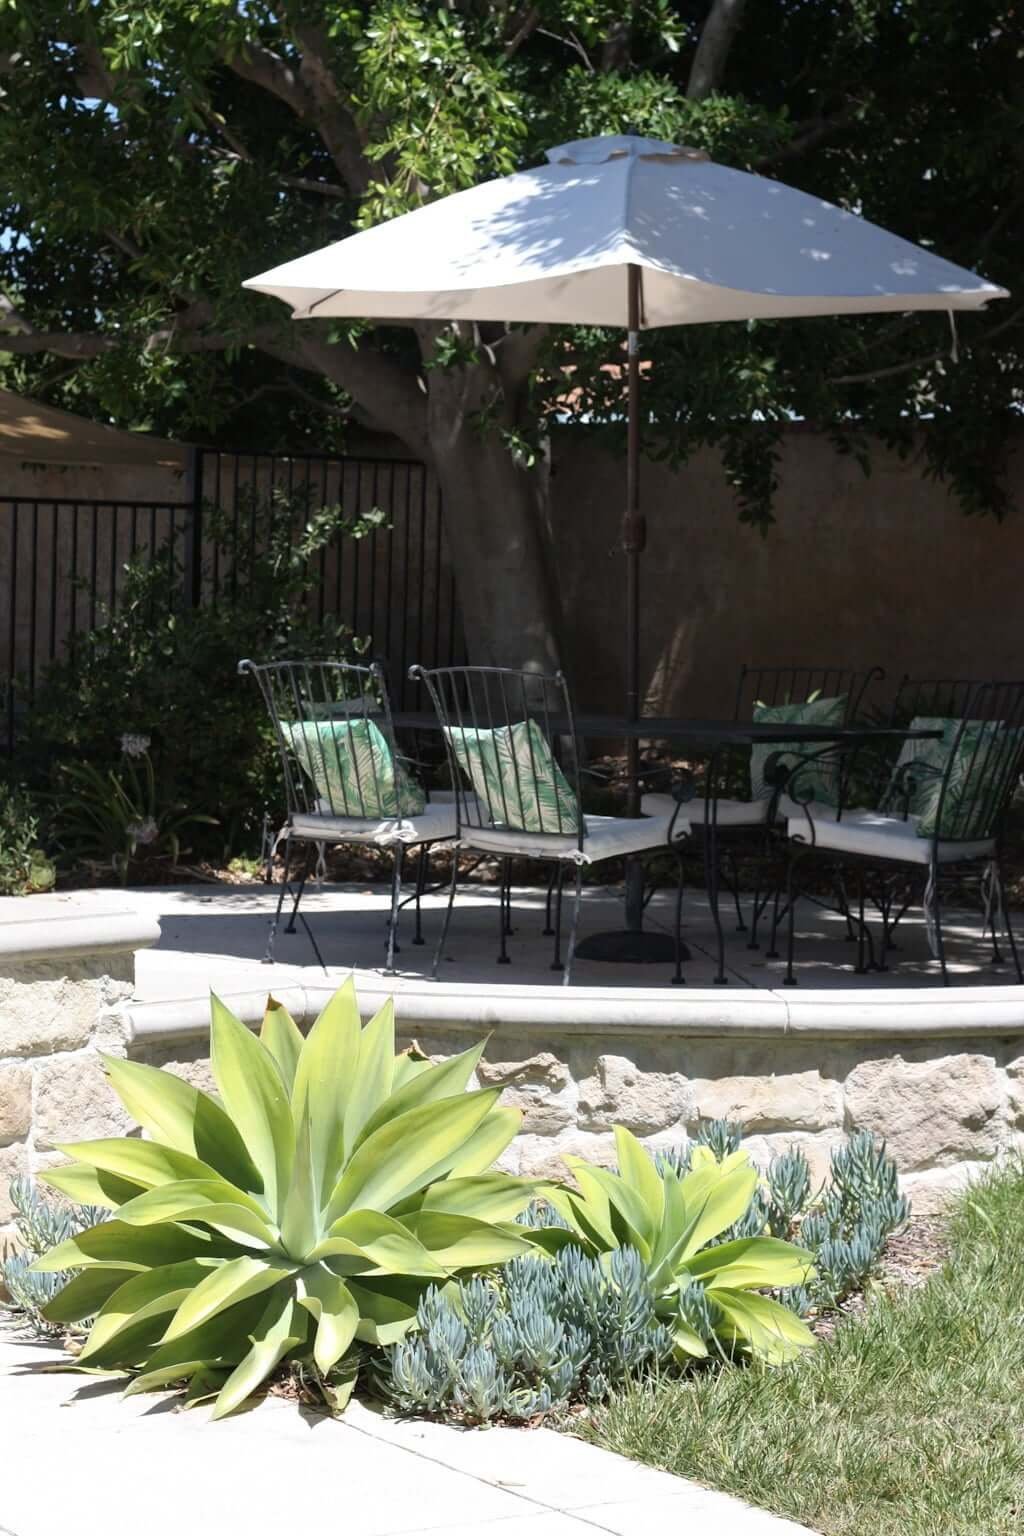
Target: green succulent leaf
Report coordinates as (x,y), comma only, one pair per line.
(328,1299)
(324,1074)
(119,1243)
(409,1152)
(463,1242)
(281,1036)
(283,1325)
(231,1282)
(372,1082)
(254,1096)
(769,1330)
(426,1087)
(183,1117)
(90,1186)
(234,1214)
(143,1296)
(85,1293)
(750,1263)
(146,1163)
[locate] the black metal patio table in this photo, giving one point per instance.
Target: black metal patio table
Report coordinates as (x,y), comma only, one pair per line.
(707,739)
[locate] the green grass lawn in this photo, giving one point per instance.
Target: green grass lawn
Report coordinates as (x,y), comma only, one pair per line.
(910,1422)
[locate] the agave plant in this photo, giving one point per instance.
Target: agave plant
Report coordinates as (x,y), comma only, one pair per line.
(672,1220)
(310,1205)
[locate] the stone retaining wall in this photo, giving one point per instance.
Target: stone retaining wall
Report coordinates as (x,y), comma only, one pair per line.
(939,1074)
(64,968)
(948,1104)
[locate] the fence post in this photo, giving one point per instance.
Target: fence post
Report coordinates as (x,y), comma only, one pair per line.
(193,578)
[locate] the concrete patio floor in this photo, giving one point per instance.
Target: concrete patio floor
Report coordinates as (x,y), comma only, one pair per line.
(216,937)
(76,1456)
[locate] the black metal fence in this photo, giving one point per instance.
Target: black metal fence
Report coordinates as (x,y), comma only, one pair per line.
(63,560)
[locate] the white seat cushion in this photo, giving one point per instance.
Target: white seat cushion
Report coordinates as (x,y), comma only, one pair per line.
(730,813)
(435,823)
(876,836)
(606,837)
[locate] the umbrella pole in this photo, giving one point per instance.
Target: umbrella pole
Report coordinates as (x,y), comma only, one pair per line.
(633,945)
(634,537)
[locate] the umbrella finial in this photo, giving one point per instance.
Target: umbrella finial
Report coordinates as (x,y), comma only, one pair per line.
(621,146)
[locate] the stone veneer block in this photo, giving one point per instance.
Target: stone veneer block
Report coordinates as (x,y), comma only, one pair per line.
(66,963)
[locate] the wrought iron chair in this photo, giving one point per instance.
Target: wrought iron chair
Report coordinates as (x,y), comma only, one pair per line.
(504,731)
(736,796)
(938,816)
(345,781)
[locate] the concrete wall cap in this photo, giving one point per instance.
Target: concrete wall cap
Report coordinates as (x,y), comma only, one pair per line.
(918,1013)
(46,927)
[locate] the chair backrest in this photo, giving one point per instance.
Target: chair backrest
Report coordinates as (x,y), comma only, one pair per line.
(503,731)
(794,685)
(332,722)
(968,778)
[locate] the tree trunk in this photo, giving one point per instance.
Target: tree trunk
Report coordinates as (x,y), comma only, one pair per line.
(496,530)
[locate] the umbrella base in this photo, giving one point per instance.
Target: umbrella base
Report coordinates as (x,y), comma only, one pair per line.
(631,946)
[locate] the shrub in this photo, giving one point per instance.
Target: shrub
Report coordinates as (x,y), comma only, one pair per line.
(535,1336)
(311,1207)
(24,866)
(706,1292)
(40,1224)
(167,673)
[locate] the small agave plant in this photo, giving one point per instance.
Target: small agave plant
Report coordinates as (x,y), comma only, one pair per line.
(310,1205)
(702,1290)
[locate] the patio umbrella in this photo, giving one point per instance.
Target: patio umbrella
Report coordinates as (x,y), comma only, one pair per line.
(631,232)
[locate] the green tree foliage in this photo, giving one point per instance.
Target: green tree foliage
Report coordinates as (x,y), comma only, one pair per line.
(155,155)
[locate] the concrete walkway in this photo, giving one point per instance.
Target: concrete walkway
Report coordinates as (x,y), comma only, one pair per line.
(77,1457)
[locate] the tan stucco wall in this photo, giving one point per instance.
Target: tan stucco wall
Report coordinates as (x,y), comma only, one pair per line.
(858,571)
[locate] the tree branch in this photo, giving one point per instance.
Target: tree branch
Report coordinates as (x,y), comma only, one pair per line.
(527,24)
(712,54)
(387,395)
(810,135)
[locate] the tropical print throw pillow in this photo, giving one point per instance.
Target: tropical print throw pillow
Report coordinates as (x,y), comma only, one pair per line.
(820,780)
(515,777)
(353,769)
(982,760)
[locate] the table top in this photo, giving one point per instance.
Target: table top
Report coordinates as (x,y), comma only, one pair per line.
(698,733)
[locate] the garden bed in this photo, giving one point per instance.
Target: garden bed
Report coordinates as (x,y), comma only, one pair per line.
(909,1423)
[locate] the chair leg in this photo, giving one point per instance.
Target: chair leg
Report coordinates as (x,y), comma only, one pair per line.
(396,896)
(556,964)
(573,926)
(720,979)
(503,957)
(940,942)
(310,856)
(790,980)
(547,930)
(446,921)
(508,897)
(1010,935)
(678,979)
(772,952)
(268,958)
(421,880)
(734,886)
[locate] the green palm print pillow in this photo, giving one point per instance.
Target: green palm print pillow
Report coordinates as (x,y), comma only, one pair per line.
(516,778)
(353,768)
(981,759)
(821,776)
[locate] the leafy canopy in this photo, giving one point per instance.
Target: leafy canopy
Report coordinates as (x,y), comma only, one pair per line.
(154,155)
